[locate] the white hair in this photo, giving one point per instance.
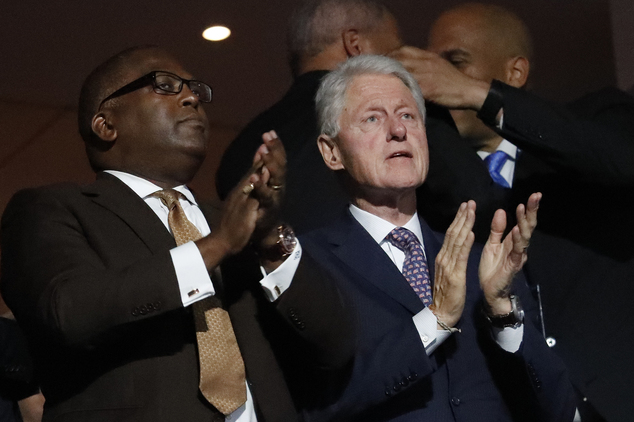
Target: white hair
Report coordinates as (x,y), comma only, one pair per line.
(331,96)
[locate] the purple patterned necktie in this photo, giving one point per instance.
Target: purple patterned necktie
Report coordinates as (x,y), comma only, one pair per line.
(495,162)
(415,265)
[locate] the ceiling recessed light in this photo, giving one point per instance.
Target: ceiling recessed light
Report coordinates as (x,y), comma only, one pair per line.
(216,33)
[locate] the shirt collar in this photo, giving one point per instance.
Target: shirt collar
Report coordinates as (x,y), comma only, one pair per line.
(145,188)
(380,228)
(506,146)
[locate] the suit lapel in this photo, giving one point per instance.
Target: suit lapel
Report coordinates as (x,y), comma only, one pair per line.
(354,246)
(114,195)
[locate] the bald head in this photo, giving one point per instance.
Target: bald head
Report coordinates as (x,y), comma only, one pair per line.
(103,81)
(318,28)
(499,30)
(485,42)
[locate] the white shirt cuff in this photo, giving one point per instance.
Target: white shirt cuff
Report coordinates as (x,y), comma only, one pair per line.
(279,280)
(509,338)
(193,279)
(426,325)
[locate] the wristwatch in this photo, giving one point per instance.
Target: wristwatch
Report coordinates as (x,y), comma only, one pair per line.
(492,105)
(514,319)
(284,246)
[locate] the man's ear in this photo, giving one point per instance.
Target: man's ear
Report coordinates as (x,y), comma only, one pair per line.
(351,42)
(102,126)
(517,70)
(330,152)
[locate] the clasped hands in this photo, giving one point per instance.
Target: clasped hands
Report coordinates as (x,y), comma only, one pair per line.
(251,209)
(501,259)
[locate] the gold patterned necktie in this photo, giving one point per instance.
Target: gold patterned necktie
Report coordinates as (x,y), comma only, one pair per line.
(222,376)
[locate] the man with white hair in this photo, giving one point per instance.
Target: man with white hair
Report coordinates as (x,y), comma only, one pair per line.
(437,336)
(322,35)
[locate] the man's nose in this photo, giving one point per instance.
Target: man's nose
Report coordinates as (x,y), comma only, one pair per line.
(398,131)
(187,97)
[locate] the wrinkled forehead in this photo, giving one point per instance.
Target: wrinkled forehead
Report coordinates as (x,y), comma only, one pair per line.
(372,90)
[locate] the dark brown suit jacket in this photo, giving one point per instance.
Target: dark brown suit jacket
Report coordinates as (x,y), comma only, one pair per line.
(88,274)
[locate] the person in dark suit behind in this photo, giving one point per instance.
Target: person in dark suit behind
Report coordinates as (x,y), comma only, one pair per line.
(434,342)
(98,283)
(582,259)
(321,35)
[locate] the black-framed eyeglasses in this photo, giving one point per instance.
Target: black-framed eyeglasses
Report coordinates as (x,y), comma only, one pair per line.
(165,83)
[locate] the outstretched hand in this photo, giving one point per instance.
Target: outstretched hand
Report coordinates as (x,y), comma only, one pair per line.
(450,279)
(440,81)
(502,259)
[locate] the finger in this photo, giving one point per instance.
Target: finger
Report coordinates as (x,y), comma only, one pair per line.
(467,225)
(263,191)
(464,242)
(459,213)
(526,222)
(455,226)
(443,255)
(463,256)
(274,157)
(518,254)
(498,224)
(265,175)
(456,247)
(254,183)
(532,206)
(273,142)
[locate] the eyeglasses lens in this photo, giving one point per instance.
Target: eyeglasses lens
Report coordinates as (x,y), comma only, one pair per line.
(202,90)
(168,83)
(173,85)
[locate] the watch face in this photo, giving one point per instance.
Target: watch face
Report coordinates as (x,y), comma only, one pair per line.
(288,239)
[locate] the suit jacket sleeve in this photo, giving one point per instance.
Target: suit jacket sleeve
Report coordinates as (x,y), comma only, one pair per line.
(533,380)
(374,371)
(592,138)
(61,280)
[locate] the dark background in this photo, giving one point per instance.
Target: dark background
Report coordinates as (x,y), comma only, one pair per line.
(48,47)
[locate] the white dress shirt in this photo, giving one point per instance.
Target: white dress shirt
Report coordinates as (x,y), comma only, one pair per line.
(508,338)
(508,169)
(425,321)
(191,272)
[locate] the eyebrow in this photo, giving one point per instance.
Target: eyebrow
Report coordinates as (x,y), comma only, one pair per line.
(454,52)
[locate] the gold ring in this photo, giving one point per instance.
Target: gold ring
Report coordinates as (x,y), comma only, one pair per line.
(276,187)
(248,189)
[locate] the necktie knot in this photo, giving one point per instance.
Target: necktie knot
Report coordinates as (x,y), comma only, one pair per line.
(403,239)
(182,229)
(495,162)
(169,197)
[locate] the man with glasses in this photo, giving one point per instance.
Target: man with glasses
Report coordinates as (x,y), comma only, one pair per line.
(115,282)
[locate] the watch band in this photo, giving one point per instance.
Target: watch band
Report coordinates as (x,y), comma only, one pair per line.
(492,105)
(514,319)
